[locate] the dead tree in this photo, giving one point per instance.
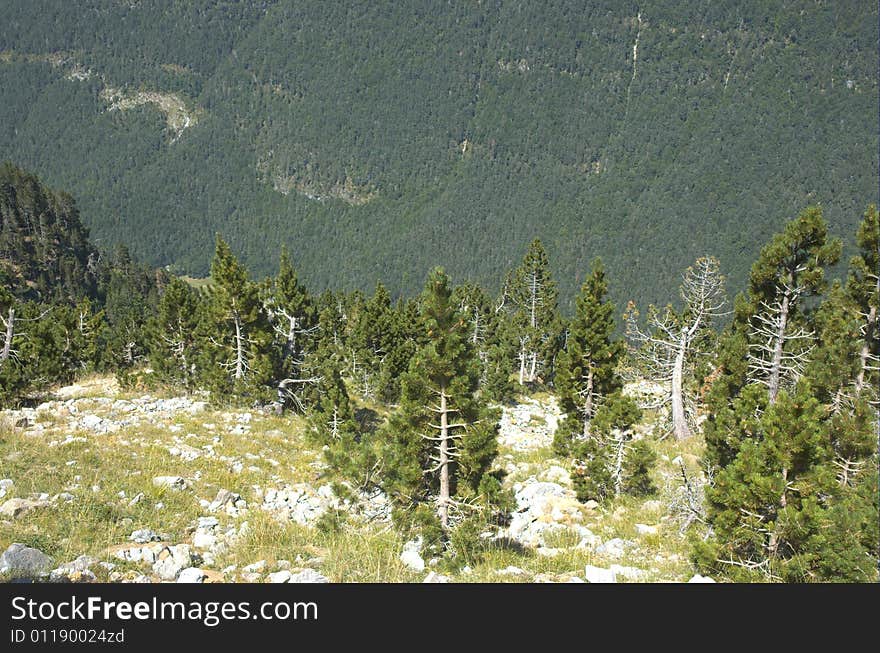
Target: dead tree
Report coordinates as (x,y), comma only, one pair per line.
(666,346)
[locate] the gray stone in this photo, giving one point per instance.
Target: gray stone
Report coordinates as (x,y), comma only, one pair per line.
(279,576)
(256,567)
(599,575)
(173,560)
(21,561)
(308,576)
(614,548)
(434,577)
(144,535)
(170,482)
(696,578)
(16,507)
(411,556)
(77,571)
(191,575)
(630,573)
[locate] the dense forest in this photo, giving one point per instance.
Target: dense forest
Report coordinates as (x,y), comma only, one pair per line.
(374,139)
(782,381)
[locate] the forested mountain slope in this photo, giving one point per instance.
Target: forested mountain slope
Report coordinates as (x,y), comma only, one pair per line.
(376,138)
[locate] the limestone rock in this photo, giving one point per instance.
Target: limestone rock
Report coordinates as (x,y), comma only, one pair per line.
(21,561)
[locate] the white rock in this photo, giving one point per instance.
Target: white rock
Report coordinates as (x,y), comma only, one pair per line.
(434,577)
(191,575)
(645,529)
(696,578)
(598,575)
(171,482)
(255,567)
(630,573)
(308,576)
(412,560)
(282,576)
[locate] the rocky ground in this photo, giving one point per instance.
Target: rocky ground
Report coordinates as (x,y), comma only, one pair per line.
(101,485)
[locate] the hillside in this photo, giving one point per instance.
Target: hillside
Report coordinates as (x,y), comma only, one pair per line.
(143,488)
(374,139)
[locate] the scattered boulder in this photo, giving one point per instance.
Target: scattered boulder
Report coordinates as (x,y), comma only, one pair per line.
(15,507)
(282,576)
(615,548)
(696,578)
(75,571)
(411,555)
(170,482)
(645,529)
(191,575)
(20,561)
(144,535)
(434,577)
(172,560)
(257,567)
(308,576)
(599,575)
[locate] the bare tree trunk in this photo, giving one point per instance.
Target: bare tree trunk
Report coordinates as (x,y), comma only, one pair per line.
(679,421)
(533,372)
(522,363)
(6,352)
(618,466)
(866,349)
(239,347)
(776,364)
(588,403)
(443,502)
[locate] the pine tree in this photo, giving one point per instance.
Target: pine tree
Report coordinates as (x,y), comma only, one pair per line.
(294,321)
(863,287)
(174,334)
(486,335)
(586,370)
(533,298)
(442,440)
(236,330)
(789,269)
(370,340)
(791,446)
(610,463)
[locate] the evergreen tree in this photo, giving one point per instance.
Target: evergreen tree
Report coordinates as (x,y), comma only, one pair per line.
(174,334)
(863,287)
(610,463)
(293,317)
(791,446)
(236,332)
(789,269)
(586,370)
(487,337)
(442,440)
(533,298)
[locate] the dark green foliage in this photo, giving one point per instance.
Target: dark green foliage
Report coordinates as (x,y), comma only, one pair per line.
(534,324)
(174,346)
(235,332)
(479,124)
(587,365)
(788,500)
(130,295)
(489,338)
(44,250)
(609,462)
(442,376)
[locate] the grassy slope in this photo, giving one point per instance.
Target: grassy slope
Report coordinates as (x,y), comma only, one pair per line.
(272,453)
